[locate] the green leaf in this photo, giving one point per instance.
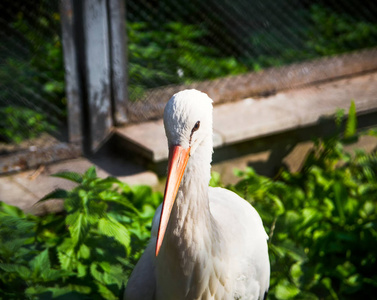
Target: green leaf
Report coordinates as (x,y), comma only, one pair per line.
(57,194)
(296,272)
(105,292)
(72,176)
(84,252)
(351,125)
(22,271)
(21,224)
(78,226)
(113,274)
(112,228)
(114,196)
(40,262)
(91,173)
(53,275)
(95,211)
(81,270)
(6,209)
(80,288)
(286,290)
(67,255)
(97,275)
(327,283)
(341,196)
(339,115)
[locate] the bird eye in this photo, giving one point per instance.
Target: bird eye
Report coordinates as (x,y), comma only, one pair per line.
(196,126)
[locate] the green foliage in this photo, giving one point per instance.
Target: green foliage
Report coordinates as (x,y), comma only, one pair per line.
(173,54)
(42,70)
(327,34)
(32,76)
(85,253)
(19,123)
(32,98)
(322,222)
(334,33)
(351,125)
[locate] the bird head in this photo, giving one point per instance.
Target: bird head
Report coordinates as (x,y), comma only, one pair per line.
(188,124)
(188,119)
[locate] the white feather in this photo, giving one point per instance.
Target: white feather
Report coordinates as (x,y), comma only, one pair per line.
(215,246)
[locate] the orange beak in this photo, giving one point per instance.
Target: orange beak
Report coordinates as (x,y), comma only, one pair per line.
(178,158)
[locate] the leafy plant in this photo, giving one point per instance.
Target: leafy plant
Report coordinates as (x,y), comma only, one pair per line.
(325,34)
(322,222)
(173,54)
(87,252)
(19,123)
(32,96)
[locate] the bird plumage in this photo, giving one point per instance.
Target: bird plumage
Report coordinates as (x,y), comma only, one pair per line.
(214,245)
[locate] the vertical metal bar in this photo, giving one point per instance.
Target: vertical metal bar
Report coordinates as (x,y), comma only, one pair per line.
(96,33)
(118,51)
(72,82)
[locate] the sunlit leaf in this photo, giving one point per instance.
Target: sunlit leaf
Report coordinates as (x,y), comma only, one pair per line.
(351,125)
(112,228)
(78,226)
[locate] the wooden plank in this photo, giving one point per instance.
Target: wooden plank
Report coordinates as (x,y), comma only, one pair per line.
(31,158)
(260,84)
(118,51)
(96,32)
(72,83)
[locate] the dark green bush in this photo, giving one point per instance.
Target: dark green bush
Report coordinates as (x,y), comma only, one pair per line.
(172,54)
(20,123)
(322,222)
(84,253)
(327,33)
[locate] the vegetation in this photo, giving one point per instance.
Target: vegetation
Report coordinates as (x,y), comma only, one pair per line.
(328,33)
(321,221)
(171,52)
(86,252)
(32,97)
(20,123)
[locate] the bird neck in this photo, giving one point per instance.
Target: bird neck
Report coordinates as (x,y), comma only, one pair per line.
(193,241)
(192,226)
(192,202)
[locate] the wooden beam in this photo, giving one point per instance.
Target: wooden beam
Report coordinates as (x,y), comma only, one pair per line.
(96,32)
(118,51)
(72,82)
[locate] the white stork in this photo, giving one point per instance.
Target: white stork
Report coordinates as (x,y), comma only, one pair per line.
(207,243)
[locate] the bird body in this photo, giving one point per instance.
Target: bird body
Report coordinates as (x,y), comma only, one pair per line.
(207,243)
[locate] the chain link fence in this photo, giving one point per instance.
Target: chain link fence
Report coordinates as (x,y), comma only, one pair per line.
(174,43)
(32,100)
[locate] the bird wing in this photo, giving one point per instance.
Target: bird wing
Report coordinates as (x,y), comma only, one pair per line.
(243,230)
(142,283)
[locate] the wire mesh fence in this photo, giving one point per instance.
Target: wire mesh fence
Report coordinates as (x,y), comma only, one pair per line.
(171,45)
(179,43)
(32,100)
